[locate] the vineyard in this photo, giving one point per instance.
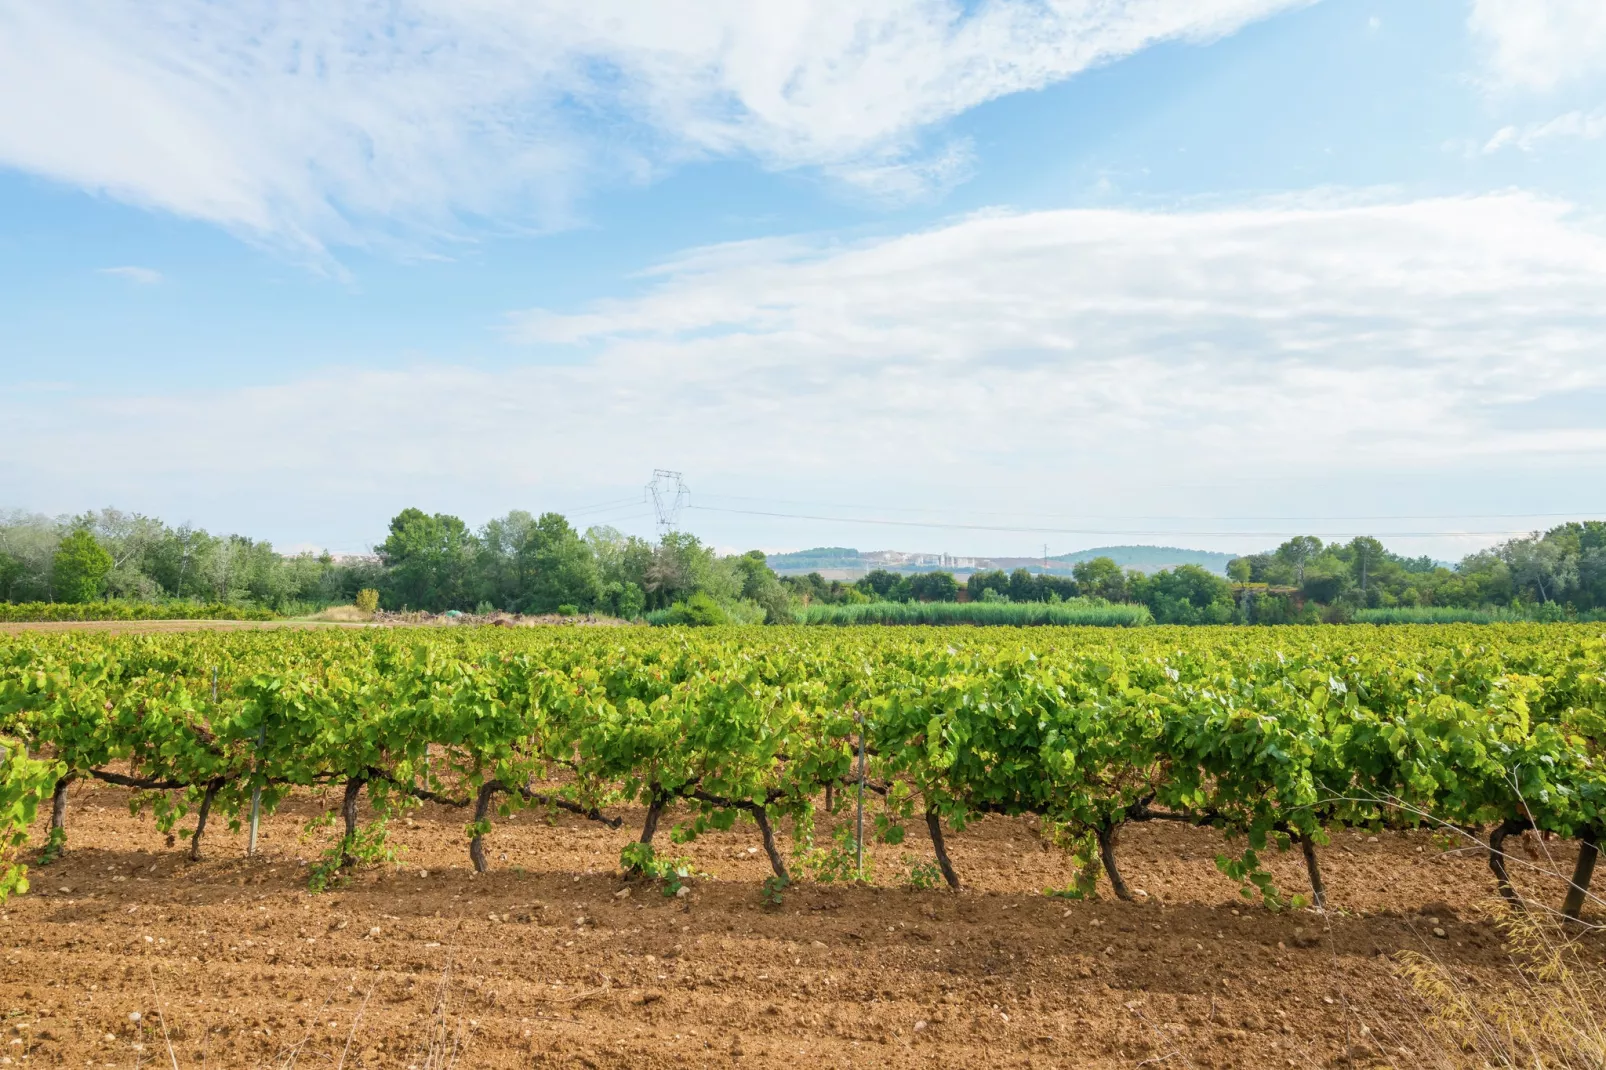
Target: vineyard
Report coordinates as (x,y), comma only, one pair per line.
(1277,737)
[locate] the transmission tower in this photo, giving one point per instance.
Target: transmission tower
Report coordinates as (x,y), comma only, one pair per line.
(669,494)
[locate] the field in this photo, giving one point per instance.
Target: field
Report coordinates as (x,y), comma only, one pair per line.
(621,848)
(245,968)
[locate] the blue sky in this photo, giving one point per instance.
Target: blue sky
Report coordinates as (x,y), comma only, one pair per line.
(971,278)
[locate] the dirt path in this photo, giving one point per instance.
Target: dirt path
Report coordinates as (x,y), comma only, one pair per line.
(546,962)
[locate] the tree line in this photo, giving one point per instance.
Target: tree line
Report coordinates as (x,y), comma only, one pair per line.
(523,563)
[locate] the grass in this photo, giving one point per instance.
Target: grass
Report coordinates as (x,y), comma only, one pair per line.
(125,610)
(1453,615)
(1546,1009)
(1018,614)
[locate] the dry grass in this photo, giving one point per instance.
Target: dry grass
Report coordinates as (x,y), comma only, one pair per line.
(343,615)
(1547,1009)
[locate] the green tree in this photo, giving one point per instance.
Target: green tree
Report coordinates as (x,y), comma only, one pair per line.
(1100,577)
(1365,555)
(880,584)
(762,587)
(622,600)
(428,561)
(1023,587)
(1186,594)
(1297,553)
(80,568)
(934,587)
(557,567)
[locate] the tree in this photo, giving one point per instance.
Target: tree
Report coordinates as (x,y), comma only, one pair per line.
(622,600)
(934,587)
(1540,565)
(1298,552)
(1365,554)
(1186,594)
(1023,587)
(427,560)
(1100,577)
(556,567)
(880,584)
(1239,570)
(980,583)
(762,587)
(80,568)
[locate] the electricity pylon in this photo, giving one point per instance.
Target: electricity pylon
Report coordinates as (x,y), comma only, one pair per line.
(669,494)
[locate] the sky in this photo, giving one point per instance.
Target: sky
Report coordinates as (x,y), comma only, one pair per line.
(975,277)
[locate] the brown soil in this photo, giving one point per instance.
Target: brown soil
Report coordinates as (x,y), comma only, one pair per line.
(546,961)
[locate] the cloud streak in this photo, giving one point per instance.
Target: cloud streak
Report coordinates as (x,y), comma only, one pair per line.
(307,124)
(144,276)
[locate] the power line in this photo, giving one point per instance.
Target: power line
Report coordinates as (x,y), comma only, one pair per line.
(1151,533)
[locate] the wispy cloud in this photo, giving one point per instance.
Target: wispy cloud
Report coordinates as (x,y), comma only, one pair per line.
(1540,44)
(313,124)
(143,275)
(1310,343)
(1572,125)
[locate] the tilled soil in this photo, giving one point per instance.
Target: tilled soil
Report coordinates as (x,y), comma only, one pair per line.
(125,954)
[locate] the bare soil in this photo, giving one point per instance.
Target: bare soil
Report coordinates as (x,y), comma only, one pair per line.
(553,959)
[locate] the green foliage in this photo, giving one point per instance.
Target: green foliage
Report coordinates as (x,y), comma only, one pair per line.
(427,561)
(367,600)
(70,611)
(80,568)
(671,873)
(838,861)
(1267,735)
(1100,577)
(698,611)
(367,846)
(24,781)
(558,567)
(923,876)
(1186,594)
(774,890)
(623,600)
(1080,612)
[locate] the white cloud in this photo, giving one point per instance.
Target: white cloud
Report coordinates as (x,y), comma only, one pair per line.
(1573,125)
(1081,356)
(143,275)
(308,123)
(1539,44)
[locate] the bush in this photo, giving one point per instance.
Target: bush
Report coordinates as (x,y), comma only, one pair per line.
(112,610)
(368,600)
(1020,614)
(700,610)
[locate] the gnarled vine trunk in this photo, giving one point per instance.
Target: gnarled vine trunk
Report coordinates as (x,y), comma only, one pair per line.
(940,848)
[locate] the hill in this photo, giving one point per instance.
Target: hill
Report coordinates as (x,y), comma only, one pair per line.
(845,563)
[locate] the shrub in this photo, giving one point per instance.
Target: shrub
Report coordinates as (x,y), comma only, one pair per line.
(368,600)
(1078,611)
(700,610)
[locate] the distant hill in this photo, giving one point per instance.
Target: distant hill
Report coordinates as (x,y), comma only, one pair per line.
(1152,558)
(845,563)
(818,559)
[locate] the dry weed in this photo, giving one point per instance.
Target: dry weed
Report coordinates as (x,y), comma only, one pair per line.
(1547,1009)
